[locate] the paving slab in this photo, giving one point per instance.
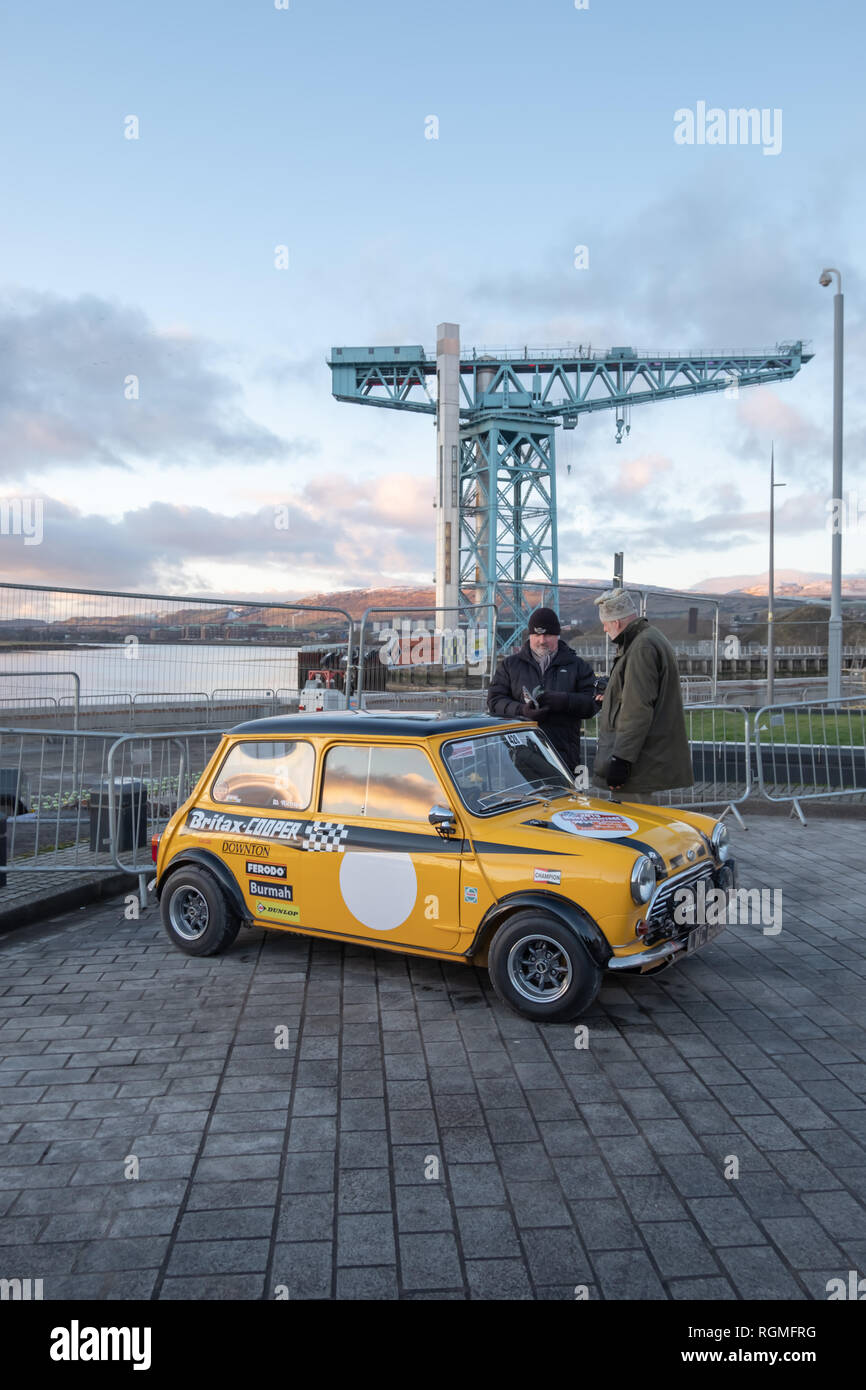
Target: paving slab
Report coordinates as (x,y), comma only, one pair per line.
(416,1140)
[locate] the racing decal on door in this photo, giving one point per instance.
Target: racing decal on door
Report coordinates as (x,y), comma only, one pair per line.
(547,876)
(380,890)
(329,835)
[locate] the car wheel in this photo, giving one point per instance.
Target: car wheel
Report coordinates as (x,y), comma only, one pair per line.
(195,913)
(540,968)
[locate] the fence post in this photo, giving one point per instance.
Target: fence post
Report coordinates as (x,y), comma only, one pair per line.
(2,851)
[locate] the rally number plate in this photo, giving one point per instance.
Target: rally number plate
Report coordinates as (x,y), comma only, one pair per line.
(699,936)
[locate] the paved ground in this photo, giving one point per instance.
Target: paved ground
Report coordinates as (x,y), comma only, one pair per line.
(416,1140)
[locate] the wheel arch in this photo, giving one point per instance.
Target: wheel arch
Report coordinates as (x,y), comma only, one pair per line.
(563,909)
(206,859)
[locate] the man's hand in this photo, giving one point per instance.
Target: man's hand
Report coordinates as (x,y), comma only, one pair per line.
(533,711)
(554,700)
(618,773)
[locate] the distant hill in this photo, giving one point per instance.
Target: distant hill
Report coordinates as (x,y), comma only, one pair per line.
(806,626)
(787,583)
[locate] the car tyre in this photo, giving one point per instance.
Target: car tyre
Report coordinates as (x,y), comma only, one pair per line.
(540,968)
(196,914)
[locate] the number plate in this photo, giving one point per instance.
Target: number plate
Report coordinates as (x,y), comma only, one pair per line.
(699,936)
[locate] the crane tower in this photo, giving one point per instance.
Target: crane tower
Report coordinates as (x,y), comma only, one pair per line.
(496,418)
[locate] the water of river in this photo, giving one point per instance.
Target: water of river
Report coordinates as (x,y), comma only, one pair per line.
(142,668)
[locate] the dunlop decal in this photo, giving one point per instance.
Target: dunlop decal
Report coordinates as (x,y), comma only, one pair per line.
(278,910)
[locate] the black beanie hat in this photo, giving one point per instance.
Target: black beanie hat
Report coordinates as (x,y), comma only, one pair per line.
(544,620)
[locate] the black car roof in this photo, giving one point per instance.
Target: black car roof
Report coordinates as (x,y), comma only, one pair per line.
(353,722)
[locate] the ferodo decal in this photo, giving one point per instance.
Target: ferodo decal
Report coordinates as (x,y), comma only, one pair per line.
(597,825)
(261,889)
(266,870)
(547,876)
(470,895)
(278,910)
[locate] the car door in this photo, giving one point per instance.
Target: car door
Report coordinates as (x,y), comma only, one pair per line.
(386,873)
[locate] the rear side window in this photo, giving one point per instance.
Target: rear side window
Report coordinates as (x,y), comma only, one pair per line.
(379,781)
(269,775)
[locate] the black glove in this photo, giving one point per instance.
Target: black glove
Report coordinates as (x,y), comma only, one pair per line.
(618,773)
(533,712)
(554,700)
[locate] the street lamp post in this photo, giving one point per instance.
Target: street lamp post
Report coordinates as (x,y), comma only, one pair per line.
(834,634)
(771,646)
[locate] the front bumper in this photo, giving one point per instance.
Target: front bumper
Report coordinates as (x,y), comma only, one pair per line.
(658,957)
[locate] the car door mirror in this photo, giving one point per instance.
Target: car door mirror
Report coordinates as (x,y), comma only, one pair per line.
(442,817)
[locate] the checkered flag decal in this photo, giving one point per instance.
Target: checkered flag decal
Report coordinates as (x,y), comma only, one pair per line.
(328,835)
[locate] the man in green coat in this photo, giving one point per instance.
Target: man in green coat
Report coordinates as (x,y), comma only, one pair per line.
(642,743)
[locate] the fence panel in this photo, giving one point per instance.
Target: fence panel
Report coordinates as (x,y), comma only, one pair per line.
(90,802)
(161,771)
(808,751)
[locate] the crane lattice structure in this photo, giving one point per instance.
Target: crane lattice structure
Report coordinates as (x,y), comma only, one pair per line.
(496,419)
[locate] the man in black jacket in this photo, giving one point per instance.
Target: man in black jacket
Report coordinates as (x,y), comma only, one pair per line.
(567,683)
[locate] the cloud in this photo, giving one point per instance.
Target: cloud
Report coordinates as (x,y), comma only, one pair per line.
(66,369)
(166,547)
(637,474)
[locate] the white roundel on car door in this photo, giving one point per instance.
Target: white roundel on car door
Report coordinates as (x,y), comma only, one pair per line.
(379,889)
(598,825)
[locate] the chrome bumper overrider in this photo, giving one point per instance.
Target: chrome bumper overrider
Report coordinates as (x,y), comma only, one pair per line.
(649,960)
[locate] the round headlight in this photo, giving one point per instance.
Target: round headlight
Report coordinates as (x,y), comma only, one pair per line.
(721,846)
(643,879)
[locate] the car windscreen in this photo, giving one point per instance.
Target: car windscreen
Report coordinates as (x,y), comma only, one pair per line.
(496,771)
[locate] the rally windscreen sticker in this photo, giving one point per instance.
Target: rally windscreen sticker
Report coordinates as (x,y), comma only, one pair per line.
(597,825)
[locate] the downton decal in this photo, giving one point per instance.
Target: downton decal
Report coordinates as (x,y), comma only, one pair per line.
(597,825)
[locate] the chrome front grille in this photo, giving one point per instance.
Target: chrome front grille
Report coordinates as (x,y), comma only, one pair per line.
(661,906)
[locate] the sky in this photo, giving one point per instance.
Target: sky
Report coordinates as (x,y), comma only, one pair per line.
(165,400)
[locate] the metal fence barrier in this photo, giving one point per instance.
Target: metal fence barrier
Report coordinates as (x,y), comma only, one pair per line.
(804,752)
(79,802)
(6,701)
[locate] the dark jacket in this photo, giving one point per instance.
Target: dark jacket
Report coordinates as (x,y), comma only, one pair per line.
(642,718)
(566,673)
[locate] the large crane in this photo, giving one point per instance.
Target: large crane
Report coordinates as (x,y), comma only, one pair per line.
(496,418)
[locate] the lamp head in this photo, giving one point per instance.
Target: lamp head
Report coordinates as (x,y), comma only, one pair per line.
(824,278)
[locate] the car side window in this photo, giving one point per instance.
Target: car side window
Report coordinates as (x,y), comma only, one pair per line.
(344,781)
(380,781)
(269,775)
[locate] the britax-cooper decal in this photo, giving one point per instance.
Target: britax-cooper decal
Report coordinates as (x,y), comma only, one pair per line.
(306,835)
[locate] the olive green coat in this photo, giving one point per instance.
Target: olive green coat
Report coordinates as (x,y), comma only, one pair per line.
(641,718)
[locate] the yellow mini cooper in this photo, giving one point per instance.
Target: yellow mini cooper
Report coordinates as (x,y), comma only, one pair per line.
(460,838)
